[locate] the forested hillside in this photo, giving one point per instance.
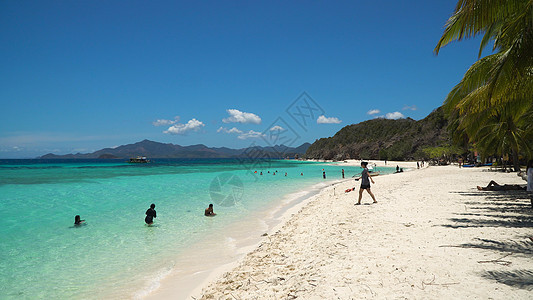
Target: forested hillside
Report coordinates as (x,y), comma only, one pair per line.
(402,139)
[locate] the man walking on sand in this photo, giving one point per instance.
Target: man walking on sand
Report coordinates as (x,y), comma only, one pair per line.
(365,183)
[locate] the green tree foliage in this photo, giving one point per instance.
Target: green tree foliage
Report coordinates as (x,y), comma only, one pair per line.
(492,106)
(383,139)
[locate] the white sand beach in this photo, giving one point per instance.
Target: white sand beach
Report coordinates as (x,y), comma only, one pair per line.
(432,235)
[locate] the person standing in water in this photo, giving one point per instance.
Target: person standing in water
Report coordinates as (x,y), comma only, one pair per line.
(209,211)
(343,173)
(365,183)
(324,174)
(150,215)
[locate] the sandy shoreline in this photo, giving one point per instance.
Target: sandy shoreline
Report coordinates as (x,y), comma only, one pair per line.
(432,235)
(197,266)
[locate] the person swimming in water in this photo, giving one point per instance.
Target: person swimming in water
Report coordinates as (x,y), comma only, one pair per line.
(209,211)
(150,215)
(78,220)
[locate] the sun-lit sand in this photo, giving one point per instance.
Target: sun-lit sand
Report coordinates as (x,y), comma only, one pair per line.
(432,235)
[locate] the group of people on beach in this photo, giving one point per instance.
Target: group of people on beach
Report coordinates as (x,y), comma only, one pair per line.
(365,178)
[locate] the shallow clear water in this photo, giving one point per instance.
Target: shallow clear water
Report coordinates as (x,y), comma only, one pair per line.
(42,255)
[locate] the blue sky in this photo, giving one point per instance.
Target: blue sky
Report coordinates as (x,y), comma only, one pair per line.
(78,76)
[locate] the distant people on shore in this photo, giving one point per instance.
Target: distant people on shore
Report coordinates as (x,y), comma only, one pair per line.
(150,215)
(78,221)
(209,211)
(417,165)
(494,186)
(365,183)
(397,168)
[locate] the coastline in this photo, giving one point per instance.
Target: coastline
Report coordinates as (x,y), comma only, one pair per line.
(432,234)
(197,268)
(193,273)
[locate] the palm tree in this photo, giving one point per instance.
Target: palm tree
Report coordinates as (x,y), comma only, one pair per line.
(492,101)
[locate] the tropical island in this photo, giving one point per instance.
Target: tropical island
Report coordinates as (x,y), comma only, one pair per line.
(426,205)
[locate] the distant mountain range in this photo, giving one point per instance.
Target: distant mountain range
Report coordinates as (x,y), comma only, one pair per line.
(153,149)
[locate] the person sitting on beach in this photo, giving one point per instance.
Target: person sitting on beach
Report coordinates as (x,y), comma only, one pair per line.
(494,186)
(78,220)
(365,183)
(150,215)
(209,211)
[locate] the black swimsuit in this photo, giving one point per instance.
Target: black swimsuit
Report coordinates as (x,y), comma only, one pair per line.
(150,215)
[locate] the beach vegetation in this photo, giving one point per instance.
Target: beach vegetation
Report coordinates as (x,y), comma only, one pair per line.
(492,106)
(384,139)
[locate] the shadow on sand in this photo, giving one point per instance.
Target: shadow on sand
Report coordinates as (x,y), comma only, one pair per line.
(522,279)
(507,209)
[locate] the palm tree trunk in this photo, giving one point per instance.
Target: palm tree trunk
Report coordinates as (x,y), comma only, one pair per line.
(516,163)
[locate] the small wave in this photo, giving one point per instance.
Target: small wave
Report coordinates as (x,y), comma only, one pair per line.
(230,243)
(154,283)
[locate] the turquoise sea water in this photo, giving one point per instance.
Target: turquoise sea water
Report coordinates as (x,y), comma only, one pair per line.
(42,255)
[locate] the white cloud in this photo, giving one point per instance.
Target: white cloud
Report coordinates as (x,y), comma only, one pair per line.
(373,111)
(232,130)
(250,135)
(277,128)
(237,116)
(412,107)
(192,125)
(323,120)
(163,122)
(241,134)
(394,115)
